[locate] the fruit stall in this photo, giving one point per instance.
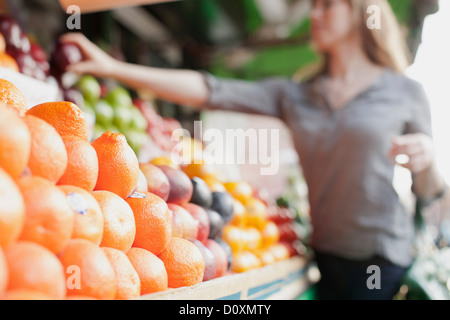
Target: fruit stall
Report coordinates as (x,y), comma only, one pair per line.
(93,204)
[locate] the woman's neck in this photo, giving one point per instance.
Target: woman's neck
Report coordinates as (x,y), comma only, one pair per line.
(346,61)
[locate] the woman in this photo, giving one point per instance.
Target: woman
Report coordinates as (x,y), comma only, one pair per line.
(348,123)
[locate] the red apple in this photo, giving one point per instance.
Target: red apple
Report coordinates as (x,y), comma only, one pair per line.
(188,223)
(210,262)
(200,215)
(64,55)
(177,225)
(180,185)
(157,181)
(220,256)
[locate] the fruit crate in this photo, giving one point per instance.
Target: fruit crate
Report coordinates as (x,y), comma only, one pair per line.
(283,280)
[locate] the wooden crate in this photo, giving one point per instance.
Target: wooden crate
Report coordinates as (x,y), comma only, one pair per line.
(284,280)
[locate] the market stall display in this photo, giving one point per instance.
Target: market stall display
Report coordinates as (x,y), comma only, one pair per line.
(123,218)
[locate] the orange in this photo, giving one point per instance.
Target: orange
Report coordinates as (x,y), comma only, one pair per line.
(266,257)
(117,163)
(89,272)
(127,279)
(256,213)
(25,294)
(15,142)
(253,239)
(6,61)
(119,224)
(270,234)
(12,210)
(213,183)
(11,95)
(198,170)
(239,216)
(235,237)
(49,219)
(164,161)
(82,165)
(151,270)
(184,263)
(240,190)
(34,267)
(67,118)
(48,156)
(88,214)
(3,273)
(153,221)
(245,261)
(279,251)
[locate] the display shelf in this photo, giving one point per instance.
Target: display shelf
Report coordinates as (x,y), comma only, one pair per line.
(283,280)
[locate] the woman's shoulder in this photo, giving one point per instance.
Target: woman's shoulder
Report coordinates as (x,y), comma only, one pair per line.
(403,82)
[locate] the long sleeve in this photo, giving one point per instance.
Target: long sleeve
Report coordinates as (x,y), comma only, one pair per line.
(262,97)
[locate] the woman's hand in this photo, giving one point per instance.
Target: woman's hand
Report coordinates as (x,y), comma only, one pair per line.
(96,61)
(419,149)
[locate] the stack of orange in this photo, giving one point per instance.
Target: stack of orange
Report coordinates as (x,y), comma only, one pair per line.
(71,224)
(253,238)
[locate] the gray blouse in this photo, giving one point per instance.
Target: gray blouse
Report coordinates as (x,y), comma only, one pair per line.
(355,210)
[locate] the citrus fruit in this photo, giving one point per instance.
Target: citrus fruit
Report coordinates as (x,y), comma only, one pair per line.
(12,210)
(25,294)
(239,216)
(153,221)
(199,170)
(34,267)
(183,262)
(3,273)
(240,190)
(82,165)
(270,234)
(118,165)
(214,183)
(6,61)
(245,261)
(253,239)
(91,272)
(151,270)
(256,213)
(279,251)
(66,117)
(266,257)
(15,142)
(235,237)
(127,279)
(164,161)
(11,95)
(49,219)
(88,214)
(119,228)
(48,156)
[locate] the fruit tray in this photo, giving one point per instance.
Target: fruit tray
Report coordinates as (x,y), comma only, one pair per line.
(283,280)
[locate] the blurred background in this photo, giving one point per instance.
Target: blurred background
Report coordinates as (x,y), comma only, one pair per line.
(247,39)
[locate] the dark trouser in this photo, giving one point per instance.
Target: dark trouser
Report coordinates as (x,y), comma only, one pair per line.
(343,279)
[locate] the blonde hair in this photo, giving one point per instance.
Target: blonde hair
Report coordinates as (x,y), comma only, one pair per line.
(385,46)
